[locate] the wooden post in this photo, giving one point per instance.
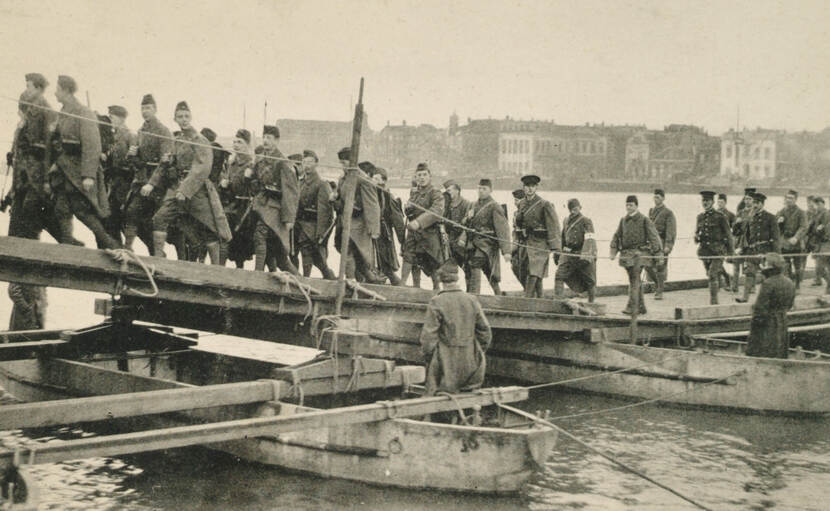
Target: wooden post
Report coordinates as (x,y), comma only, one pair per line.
(349,187)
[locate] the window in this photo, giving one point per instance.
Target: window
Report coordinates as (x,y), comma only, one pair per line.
(729,151)
(600,147)
(767,153)
(592,148)
(757,152)
(746,151)
(758,170)
(767,171)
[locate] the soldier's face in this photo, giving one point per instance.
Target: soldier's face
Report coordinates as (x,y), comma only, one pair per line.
(484,192)
(576,210)
(721,203)
(309,163)
(61,95)
(453,192)
(630,207)
(182,118)
(658,200)
(116,121)
(707,203)
(148,112)
(378,179)
(239,145)
(422,177)
(269,141)
(530,190)
(789,200)
(31,88)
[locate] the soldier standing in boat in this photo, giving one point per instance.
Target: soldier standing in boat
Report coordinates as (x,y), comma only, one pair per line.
(409,264)
(792,222)
(118,170)
(191,202)
(639,245)
(820,239)
(742,215)
(730,218)
(153,141)
(715,242)
(392,223)
(76,178)
(537,221)
(454,338)
(276,195)
(768,335)
(234,189)
(577,264)
(457,209)
(666,225)
(423,240)
(489,233)
(315,216)
(762,236)
(518,255)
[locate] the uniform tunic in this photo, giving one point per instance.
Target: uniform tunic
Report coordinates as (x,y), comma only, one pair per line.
(666,225)
(277,193)
(424,245)
(241,247)
(518,260)
(457,212)
(714,237)
(392,224)
(762,234)
(314,213)
(768,336)
(154,141)
(488,221)
(578,273)
(792,223)
(636,237)
(365,216)
(454,338)
(120,170)
(538,223)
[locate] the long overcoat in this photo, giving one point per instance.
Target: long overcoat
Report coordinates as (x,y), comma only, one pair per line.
(768,336)
(365,225)
(490,221)
(276,209)
(538,222)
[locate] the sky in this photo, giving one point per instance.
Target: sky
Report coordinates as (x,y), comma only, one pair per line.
(637,62)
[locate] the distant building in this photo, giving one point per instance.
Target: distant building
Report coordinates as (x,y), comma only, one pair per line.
(325,138)
(677,152)
(752,154)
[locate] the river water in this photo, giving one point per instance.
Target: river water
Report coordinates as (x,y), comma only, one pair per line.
(724,461)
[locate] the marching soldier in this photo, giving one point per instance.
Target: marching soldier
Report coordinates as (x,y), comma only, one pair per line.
(742,215)
(792,222)
(392,223)
(539,226)
(191,202)
(768,330)
(456,208)
(820,239)
(237,200)
(666,225)
(76,178)
(811,240)
(490,233)
(762,236)
(220,156)
(577,264)
(730,218)
(423,241)
(409,264)
(365,224)
(639,245)
(714,237)
(518,254)
(153,141)
(315,217)
(276,197)
(119,170)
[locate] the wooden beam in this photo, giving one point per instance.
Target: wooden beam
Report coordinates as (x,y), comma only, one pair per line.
(31,349)
(744,309)
(169,438)
(29,335)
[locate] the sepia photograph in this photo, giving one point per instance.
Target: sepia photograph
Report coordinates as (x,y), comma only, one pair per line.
(399,255)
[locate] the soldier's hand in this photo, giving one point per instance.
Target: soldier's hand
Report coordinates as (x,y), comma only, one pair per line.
(780,219)
(739,251)
(146,190)
(103,157)
(793,240)
(166,157)
(88,183)
(133,151)
(508,258)
(53,168)
(249,172)
(47,188)
(180,197)
(333,196)
(224,182)
(413,225)
(820,228)
(566,249)
(289,225)
(375,235)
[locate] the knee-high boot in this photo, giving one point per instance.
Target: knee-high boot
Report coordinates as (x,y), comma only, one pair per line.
(260,250)
(214,251)
(495,285)
(714,287)
(749,283)
(530,288)
(159,239)
(474,284)
(540,292)
(558,288)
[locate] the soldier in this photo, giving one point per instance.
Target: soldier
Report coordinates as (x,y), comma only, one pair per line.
(666,225)
(821,241)
(410,265)
(809,244)
(768,335)
(518,255)
(639,245)
(579,270)
(276,196)
(220,156)
(392,223)
(730,218)
(237,200)
(742,215)
(454,338)
(539,226)
(456,208)
(423,241)
(792,222)
(118,171)
(762,236)
(365,223)
(29,307)
(153,140)
(489,232)
(714,237)
(191,202)
(315,217)
(76,177)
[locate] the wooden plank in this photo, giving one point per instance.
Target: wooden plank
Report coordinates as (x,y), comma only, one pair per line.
(31,349)
(365,345)
(168,438)
(29,335)
(744,309)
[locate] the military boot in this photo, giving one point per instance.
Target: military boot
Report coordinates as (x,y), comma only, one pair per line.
(214,251)
(558,288)
(749,284)
(713,293)
(474,284)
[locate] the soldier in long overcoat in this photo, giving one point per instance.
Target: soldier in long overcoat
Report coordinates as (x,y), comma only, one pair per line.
(315,216)
(820,240)
(423,238)
(768,335)
(714,237)
(666,224)
(792,222)
(118,169)
(454,338)
(191,202)
(743,213)
(536,220)
(730,219)
(762,236)
(577,264)
(76,178)
(235,192)
(456,209)
(392,224)
(490,233)
(517,259)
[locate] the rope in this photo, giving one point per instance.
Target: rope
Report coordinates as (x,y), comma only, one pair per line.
(592,376)
(306,290)
(354,381)
(124,256)
(608,457)
(457,405)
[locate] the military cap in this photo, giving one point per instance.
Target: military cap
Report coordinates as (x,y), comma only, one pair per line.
(381,172)
(308,153)
(722,196)
(707,195)
(760,197)
(244,135)
(572,203)
(448,272)
(793,193)
(367,167)
(271,130)
(67,83)
(519,194)
(632,199)
(749,191)
(208,134)
(37,79)
(422,166)
(118,110)
(775,260)
(295,157)
(485,182)
(148,99)
(345,154)
(182,105)
(450,182)
(530,180)
(660,192)
(818,200)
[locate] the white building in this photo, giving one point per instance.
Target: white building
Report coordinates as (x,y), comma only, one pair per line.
(750,154)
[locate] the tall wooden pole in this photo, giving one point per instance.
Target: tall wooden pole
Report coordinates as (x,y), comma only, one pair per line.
(348,191)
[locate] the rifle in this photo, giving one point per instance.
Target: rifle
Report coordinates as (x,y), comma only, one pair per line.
(445,242)
(245,214)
